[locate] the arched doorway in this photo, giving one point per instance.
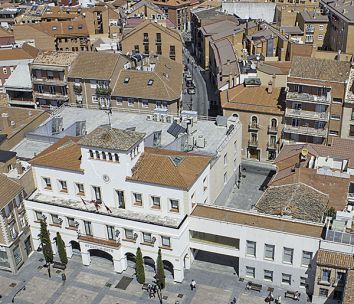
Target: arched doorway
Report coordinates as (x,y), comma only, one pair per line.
(75,247)
(101,259)
(131,260)
(168,266)
(149,264)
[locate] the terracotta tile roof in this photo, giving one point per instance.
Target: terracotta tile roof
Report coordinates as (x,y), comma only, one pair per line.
(5,34)
(320,69)
(260,221)
(96,65)
(277,68)
(169,168)
(348,297)
(64,154)
(335,259)
(115,139)
(15,54)
(253,98)
(8,190)
(55,58)
(166,82)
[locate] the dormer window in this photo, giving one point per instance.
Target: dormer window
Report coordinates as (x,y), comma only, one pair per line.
(110,156)
(150,82)
(54,28)
(126,79)
(116,157)
(91,153)
(97,155)
(80,27)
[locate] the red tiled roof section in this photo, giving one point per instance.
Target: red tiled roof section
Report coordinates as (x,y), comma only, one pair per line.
(64,154)
(169,168)
(8,190)
(349,288)
(335,259)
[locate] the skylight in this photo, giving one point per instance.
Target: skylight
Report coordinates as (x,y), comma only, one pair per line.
(150,82)
(126,79)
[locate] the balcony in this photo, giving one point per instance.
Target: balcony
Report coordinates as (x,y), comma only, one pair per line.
(103,91)
(321,116)
(253,143)
(49,81)
(305,97)
(146,41)
(272,130)
(271,146)
(158,41)
(47,95)
(99,241)
(305,131)
(253,127)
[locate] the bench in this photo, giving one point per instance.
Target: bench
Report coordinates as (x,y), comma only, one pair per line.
(295,295)
(253,286)
(59,265)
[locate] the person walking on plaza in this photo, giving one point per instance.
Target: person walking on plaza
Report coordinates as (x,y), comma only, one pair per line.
(193,285)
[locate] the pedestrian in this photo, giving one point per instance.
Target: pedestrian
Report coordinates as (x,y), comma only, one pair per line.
(193,285)
(63,277)
(279,300)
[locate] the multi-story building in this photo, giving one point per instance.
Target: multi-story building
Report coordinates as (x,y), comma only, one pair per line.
(151,38)
(93,76)
(69,35)
(8,16)
(314,26)
(15,236)
(95,215)
(341,25)
(348,109)
(260,110)
(49,77)
(314,101)
(145,9)
(6,38)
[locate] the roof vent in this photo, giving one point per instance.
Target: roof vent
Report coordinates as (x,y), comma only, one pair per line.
(126,79)
(177,160)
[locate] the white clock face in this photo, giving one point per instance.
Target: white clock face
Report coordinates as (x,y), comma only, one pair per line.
(106,178)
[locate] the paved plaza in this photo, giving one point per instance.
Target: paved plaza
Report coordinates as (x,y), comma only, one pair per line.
(96,284)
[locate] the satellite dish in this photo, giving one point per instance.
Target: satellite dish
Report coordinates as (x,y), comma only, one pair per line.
(253,66)
(304,152)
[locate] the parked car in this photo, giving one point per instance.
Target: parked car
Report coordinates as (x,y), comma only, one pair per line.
(190,84)
(188,77)
(191,91)
(185,68)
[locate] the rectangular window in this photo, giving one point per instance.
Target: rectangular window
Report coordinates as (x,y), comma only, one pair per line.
(320,27)
(97,192)
(174,205)
(110,232)
(166,241)
(320,37)
(94,99)
(155,201)
(340,278)
(147,237)
(159,49)
(250,272)
(303,281)
(326,275)
(335,117)
(251,248)
(71,222)
(63,186)
(269,252)
(268,275)
(47,183)
(129,234)
(17,255)
(138,199)
(4,70)
(39,215)
(145,103)
(306,258)
(323,292)
(120,199)
(337,100)
(130,102)
(80,189)
(288,255)
(88,228)
(56,220)
(52,90)
(352,116)
(333,132)
(351,130)
(286,278)
(119,101)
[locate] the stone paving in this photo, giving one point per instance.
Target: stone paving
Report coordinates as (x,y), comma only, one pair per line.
(95,285)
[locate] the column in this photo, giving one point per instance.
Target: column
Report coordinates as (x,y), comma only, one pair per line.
(187,261)
(69,250)
(120,265)
(178,275)
(86,260)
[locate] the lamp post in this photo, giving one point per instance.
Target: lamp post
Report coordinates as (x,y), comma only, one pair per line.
(18,291)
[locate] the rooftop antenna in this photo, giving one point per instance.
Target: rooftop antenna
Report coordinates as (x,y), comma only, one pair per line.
(109,113)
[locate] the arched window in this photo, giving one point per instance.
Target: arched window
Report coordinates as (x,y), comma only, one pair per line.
(97,155)
(110,156)
(273,123)
(254,121)
(235,115)
(91,153)
(116,157)
(103,155)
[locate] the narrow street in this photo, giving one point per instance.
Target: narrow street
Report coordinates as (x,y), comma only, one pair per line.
(199,100)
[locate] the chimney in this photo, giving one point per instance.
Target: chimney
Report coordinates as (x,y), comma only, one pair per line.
(19,168)
(270,87)
(13,124)
(5,121)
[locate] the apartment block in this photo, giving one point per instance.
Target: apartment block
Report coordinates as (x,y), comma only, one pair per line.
(150,38)
(147,10)
(260,110)
(348,109)
(314,26)
(15,237)
(49,73)
(314,101)
(341,24)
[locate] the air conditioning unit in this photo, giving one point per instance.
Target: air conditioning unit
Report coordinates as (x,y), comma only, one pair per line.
(149,117)
(200,141)
(156,117)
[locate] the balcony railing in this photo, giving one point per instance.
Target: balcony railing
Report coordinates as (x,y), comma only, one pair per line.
(309,97)
(305,130)
(322,116)
(49,81)
(253,127)
(158,41)
(271,145)
(47,95)
(253,143)
(99,241)
(146,40)
(272,130)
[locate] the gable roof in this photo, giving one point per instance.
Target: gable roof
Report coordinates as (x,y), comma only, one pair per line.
(64,154)
(169,168)
(8,190)
(17,54)
(335,259)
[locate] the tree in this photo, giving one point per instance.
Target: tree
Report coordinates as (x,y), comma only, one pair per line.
(160,271)
(61,249)
(331,212)
(46,243)
(139,267)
